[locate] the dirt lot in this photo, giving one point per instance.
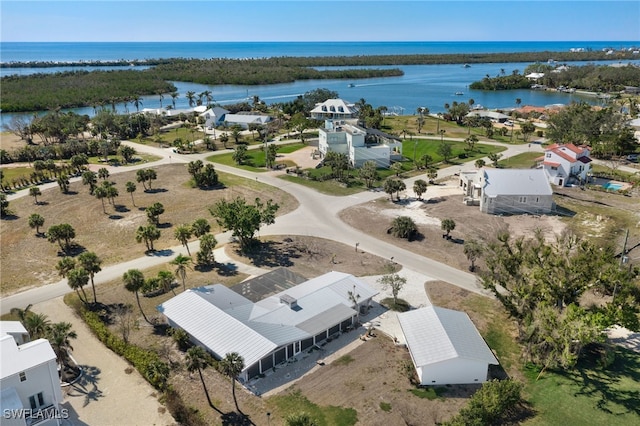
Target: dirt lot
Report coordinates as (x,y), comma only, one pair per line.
(111,235)
(442,202)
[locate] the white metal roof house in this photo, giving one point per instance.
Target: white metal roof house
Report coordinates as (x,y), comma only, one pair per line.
(334,109)
(345,137)
(213,116)
(508,191)
(566,164)
(445,346)
(274,329)
(244,120)
(29,385)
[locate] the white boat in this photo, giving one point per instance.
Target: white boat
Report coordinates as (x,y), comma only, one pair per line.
(466,66)
(351,85)
(459,93)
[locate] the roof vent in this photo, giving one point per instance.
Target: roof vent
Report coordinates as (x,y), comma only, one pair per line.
(290,301)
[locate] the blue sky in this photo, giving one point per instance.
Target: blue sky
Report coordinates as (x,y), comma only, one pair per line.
(319,20)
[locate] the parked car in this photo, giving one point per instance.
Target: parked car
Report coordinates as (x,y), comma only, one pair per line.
(633,158)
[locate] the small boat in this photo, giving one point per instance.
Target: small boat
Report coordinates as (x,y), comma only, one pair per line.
(459,93)
(466,66)
(351,85)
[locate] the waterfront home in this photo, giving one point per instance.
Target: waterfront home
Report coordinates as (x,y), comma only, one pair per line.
(566,164)
(335,109)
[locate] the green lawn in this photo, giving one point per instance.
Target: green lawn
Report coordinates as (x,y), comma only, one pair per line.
(256,158)
(420,147)
(295,402)
(590,394)
(330,187)
(525,160)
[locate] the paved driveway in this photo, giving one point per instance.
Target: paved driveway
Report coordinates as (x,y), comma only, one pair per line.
(105,395)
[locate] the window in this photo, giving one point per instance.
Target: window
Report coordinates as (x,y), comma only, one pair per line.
(548,155)
(522,199)
(36,401)
(23,376)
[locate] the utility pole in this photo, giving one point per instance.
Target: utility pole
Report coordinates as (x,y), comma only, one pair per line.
(624,248)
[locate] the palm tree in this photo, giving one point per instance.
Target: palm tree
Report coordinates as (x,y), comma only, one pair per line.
(197,359)
(77,278)
(90,178)
(91,263)
(37,325)
(36,221)
(166,279)
(60,335)
(34,191)
(191,97)
(148,234)
(181,263)
(100,193)
(174,96)
(65,265)
(133,282)
(419,188)
(137,102)
(200,227)
(22,314)
(448,225)
(232,365)
(518,102)
(131,188)
(182,234)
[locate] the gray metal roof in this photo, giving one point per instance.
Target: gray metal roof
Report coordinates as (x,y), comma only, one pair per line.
(215,328)
(437,334)
(226,321)
(515,182)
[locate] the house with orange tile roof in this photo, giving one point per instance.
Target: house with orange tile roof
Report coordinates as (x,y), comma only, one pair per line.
(565,164)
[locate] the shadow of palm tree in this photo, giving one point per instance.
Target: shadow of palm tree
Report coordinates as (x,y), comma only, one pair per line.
(87,385)
(236,419)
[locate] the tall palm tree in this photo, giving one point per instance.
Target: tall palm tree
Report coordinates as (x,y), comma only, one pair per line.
(232,365)
(174,96)
(60,335)
(181,262)
(133,282)
(65,265)
(91,263)
(131,188)
(197,359)
(137,101)
(77,278)
(37,325)
(182,234)
(191,97)
(200,227)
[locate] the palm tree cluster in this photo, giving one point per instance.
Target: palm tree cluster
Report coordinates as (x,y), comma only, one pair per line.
(40,327)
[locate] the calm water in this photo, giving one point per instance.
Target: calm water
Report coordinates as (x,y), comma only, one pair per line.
(428,86)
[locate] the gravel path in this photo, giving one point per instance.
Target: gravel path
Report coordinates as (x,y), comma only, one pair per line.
(105,394)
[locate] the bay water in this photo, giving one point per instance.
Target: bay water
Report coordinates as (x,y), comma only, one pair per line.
(430,86)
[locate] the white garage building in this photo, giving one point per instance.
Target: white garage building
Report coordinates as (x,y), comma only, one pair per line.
(445,346)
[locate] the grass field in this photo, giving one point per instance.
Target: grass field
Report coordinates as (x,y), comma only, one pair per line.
(416,148)
(295,402)
(526,160)
(255,158)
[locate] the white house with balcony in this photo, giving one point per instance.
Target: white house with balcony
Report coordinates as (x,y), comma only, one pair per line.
(30,390)
(334,109)
(566,164)
(345,137)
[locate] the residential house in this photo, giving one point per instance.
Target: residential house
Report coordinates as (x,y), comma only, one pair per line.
(508,191)
(445,347)
(566,164)
(494,116)
(359,144)
(271,330)
(244,120)
(16,330)
(30,390)
(334,109)
(213,117)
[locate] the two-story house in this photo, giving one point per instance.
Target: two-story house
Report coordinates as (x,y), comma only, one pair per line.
(30,390)
(345,137)
(566,164)
(334,109)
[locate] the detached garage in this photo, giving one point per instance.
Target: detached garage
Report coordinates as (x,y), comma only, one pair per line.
(445,346)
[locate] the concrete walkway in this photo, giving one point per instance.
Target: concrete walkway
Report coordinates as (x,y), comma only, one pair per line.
(105,394)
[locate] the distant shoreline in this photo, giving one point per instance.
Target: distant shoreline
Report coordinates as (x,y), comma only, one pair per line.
(363,60)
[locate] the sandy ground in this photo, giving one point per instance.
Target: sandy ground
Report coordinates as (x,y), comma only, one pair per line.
(105,394)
